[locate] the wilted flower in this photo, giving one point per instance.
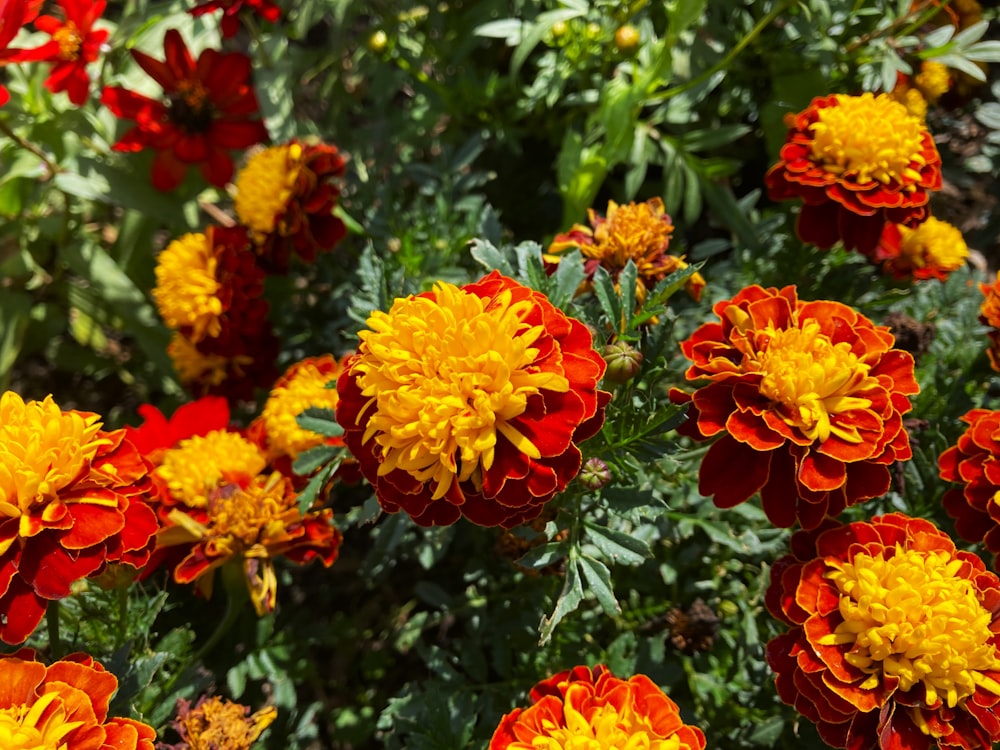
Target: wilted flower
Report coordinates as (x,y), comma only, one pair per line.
(209,107)
(218,724)
(639,232)
(893,639)
(470,402)
(71,502)
(74,44)
(856,162)
(266,9)
(931,250)
(591,708)
(63,706)
(806,399)
(989,314)
(14,14)
(286,195)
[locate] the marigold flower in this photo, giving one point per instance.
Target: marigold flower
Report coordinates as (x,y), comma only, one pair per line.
(209,107)
(933,80)
(74,45)
(71,502)
(893,638)
(806,399)
(266,9)
(989,314)
(309,382)
(249,523)
(590,707)
(470,402)
(856,162)
(286,194)
(639,232)
(14,14)
(64,705)
(218,724)
(931,250)
(234,364)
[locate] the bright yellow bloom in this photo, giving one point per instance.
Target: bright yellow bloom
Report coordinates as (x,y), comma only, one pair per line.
(884,150)
(198,465)
(266,184)
(912,99)
(186,291)
(33,727)
(933,80)
(933,244)
(302,386)
(217,724)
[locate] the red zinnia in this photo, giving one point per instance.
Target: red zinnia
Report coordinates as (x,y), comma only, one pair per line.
(266,9)
(74,44)
(72,500)
(808,398)
(589,707)
(894,639)
(470,402)
(14,14)
(209,108)
(856,162)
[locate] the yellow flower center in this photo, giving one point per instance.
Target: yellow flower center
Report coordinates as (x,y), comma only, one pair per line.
(196,466)
(223,725)
(813,379)
(933,80)
(934,243)
(600,727)
(639,232)
(911,615)
(266,184)
(869,138)
(26,728)
(306,388)
(243,518)
(69,40)
(42,450)
(447,376)
(186,288)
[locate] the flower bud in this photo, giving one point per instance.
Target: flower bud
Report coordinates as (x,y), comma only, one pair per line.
(624,361)
(627,39)
(594,474)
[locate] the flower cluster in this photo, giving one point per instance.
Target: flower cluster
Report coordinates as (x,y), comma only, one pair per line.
(893,636)
(637,232)
(989,315)
(64,705)
(857,163)
(471,402)
(72,500)
(589,708)
(209,290)
(806,399)
(930,250)
(218,724)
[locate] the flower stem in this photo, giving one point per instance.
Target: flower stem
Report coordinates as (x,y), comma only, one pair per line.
(52,624)
(27,145)
(234,582)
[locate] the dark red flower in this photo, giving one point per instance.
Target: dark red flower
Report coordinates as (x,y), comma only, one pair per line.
(209,107)
(266,9)
(74,44)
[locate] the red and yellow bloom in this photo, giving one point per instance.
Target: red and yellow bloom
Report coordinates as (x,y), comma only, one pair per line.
(931,250)
(806,400)
(64,705)
(266,9)
(286,195)
(591,708)
(75,43)
(470,402)
(72,500)
(989,314)
(209,107)
(893,636)
(856,162)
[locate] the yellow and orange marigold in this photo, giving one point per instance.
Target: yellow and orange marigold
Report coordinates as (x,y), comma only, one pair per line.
(893,640)
(72,500)
(806,402)
(591,708)
(63,706)
(856,162)
(471,402)
(989,315)
(639,232)
(931,250)
(218,724)
(286,195)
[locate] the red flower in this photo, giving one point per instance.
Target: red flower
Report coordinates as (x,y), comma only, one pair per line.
(157,433)
(808,398)
(231,9)
(894,639)
(587,707)
(989,315)
(931,250)
(64,705)
(856,162)
(209,108)
(470,402)
(74,44)
(14,14)
(72,500)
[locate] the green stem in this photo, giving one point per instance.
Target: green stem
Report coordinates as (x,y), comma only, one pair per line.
(52,624)
(122,615)
(726,61)
(29,146)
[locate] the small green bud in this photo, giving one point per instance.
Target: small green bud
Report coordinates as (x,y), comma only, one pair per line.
(594,474)
(624,362)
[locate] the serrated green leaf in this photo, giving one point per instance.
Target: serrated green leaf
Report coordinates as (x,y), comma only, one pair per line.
(607,296)
(307,497)
(530,267)
(307,462)
(543,555)
(320,420)
(617,546)
(486,254)
(568,277)
(599,582)
(569,599)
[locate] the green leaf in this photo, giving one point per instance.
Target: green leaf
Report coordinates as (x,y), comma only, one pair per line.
(569,599)
(488,255)
(579,191)
(531,269)
(683,14)
(607,296)
(308,461)
(568,277)
(320,420)
(15,312)
(307,497)
(599,581)
(531,36)
(543,555)
(728,211)
(627,286)
(711,138)
(617,546)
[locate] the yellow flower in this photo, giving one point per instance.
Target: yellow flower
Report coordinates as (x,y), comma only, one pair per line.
(933,80)
(302,386)
(929,250)
(197,466)
(912,99)
(217,724)
(265,185)
(186,291)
